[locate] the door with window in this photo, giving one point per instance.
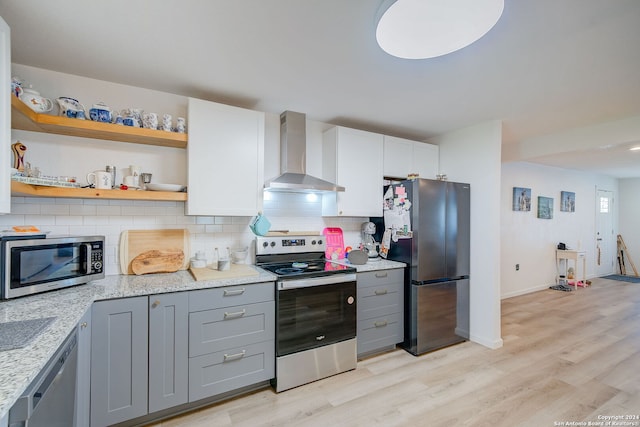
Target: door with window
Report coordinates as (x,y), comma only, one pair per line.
(605,237)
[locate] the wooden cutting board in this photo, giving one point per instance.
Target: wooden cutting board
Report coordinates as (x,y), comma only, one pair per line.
(158,261)
(135,242)
(236,270)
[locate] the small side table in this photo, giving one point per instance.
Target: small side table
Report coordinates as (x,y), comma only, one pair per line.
(575,256)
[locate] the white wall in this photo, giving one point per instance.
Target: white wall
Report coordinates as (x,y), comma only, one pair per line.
(473,155)
(531,242)
(62,216)
(629,203)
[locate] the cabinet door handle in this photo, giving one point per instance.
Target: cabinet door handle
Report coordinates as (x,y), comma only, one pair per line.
(320,337)
(381,275)
(230,357)
(234,315)
(380,324)
(230,293)
(83,325)
(381,292)
(155,304)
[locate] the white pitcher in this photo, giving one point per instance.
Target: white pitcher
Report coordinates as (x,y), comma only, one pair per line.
(37,103)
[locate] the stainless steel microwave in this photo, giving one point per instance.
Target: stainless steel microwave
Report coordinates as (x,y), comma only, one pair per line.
(39,264)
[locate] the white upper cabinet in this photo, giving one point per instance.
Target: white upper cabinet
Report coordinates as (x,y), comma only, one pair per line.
(5,117)
(353,159)
(398,157)
(403,157)
(225,158)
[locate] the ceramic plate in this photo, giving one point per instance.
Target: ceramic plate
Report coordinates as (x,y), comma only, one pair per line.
(165,187)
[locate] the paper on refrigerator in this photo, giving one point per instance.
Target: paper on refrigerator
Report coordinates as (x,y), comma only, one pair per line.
(396,209)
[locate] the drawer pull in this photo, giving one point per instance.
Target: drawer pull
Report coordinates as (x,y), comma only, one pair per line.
(320,337)
(381,275)
(234,315)
(230,293)
(381,292)
(230,357)
(380,324)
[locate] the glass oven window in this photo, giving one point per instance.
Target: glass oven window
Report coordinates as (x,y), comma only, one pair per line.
(315,316)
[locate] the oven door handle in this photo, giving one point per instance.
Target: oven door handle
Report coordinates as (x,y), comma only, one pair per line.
(316,281)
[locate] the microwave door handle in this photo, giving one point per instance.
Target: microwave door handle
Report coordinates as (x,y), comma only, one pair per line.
(87,262)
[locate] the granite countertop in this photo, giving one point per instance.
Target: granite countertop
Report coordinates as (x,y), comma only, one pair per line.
(20,366)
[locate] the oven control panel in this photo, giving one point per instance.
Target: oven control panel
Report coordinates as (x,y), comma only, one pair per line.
(289,244)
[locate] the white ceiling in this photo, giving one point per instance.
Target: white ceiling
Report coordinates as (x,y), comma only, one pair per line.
(546,67)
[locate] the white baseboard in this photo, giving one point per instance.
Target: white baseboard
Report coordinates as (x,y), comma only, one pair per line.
(492,344)
(524,291)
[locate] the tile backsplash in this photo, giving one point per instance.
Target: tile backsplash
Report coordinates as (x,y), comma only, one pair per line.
(65,216)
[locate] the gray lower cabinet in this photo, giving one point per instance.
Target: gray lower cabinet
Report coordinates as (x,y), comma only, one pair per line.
(119,360)
(83,379)
(380,310)
(153,353)
(168,350)
(231,338)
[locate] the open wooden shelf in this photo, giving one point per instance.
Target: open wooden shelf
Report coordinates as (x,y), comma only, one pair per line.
(24,118)
(21,189)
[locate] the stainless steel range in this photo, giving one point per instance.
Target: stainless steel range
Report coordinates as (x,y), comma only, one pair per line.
(315,310)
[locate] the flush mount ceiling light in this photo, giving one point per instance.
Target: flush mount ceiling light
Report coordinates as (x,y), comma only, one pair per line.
(420,29)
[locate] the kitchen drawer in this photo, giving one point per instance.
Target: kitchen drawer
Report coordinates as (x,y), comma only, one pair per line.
(229,327)
(228,296)
(227,370)
(380,277)
(382,300)
(378,333)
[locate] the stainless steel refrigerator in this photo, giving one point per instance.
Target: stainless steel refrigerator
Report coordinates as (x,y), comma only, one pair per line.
(430,225)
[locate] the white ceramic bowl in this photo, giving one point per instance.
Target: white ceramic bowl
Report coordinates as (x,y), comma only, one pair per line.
(238,255)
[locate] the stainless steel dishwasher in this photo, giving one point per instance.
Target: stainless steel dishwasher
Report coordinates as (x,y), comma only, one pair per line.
(50,398)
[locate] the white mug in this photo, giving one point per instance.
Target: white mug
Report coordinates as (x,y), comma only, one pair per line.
(135,170)
(100,179)
(166,122)
(131,181)
(150,121)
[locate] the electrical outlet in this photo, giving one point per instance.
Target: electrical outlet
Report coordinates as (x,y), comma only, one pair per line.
(517,267)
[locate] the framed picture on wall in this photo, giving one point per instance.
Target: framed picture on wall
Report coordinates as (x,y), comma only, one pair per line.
(545,207)
(521,199)
(567,201)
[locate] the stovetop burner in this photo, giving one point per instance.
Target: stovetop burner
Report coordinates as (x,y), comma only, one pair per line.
(285,271)
(314,268)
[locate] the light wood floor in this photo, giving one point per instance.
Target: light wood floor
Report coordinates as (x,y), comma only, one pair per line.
(567,356)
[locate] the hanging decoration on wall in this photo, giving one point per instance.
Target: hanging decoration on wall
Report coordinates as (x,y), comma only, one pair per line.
(545,207)
(521,199)
(567,201)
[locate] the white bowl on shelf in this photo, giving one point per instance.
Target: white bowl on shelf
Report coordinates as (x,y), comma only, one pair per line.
(164,187)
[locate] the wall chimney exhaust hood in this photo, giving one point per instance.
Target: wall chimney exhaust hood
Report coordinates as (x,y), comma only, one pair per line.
(293,159)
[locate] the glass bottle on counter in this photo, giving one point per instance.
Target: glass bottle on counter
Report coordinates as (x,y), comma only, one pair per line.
(214,261)
(223,262)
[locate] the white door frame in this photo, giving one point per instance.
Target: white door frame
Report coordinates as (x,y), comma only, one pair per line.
(605,240)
